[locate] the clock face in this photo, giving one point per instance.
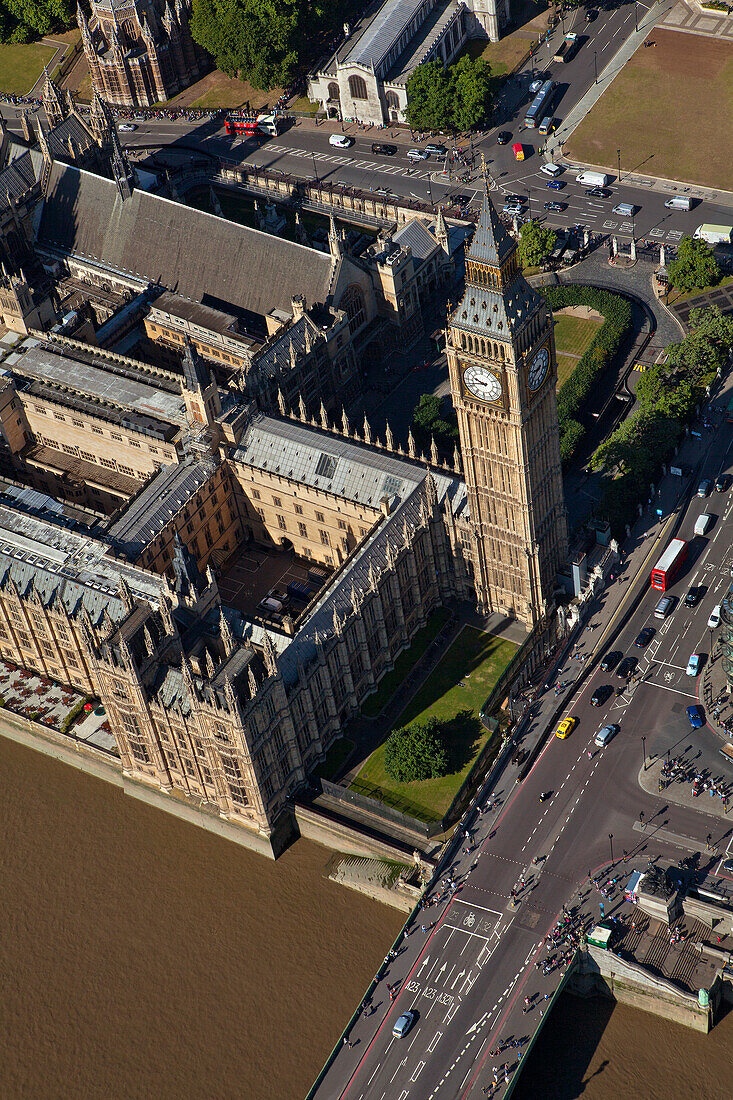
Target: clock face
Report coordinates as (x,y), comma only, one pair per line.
(482,383)
(538,369)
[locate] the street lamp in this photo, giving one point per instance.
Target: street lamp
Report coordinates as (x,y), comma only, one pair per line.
(618,157)
(595,64)
(643,749)
(636,17)
(610,841)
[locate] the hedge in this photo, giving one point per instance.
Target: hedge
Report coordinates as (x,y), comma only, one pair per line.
(73,714)
(576,389)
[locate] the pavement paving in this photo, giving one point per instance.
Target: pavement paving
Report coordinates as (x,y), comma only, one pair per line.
(693,19)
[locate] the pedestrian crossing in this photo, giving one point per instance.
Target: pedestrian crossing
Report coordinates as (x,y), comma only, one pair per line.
(362,165)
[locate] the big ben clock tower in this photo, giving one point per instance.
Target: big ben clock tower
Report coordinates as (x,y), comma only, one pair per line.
(503,372)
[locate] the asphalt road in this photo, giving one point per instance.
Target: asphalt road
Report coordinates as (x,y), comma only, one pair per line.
(305,151)
(466,975)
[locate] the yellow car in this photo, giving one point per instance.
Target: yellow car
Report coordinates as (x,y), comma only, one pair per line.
(566,727)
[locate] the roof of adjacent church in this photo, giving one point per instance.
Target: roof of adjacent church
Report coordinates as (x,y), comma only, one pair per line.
(202,257)
(491,242)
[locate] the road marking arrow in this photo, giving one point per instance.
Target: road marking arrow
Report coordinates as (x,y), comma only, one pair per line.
(478,1024)
(423,964)
(458,978)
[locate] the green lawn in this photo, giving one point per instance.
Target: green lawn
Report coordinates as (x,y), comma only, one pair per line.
(21,66)
(566,364)
(407,660)
(573,336)
(666,111)
(455,692)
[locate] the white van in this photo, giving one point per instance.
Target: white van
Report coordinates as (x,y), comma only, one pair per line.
(663,607)
(702,523)
(551,169)
(593,179)
(679,202)
(625,209)
(714,620)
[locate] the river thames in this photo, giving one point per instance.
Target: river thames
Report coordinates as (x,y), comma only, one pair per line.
(143,957)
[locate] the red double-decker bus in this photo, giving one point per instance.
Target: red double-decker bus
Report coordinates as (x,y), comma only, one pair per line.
(669,564)
(250,124)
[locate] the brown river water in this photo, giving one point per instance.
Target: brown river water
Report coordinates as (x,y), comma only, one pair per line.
(143,957)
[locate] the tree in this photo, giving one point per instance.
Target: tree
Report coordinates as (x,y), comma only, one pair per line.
(429,97)
(695,266)
(471,83)
(449,99)
(256,39)
(428,421)
(416,752)
(536,243)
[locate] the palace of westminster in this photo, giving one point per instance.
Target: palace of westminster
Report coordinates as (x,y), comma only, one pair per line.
(191,530)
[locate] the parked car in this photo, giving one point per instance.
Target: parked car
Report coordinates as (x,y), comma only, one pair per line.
(503,137)
(611,659)
(600,695)
(341,141)
(566,727)
(435,150)
(644,637)
(403,1024)
(556,207)
(693,665)
(417,154)
(695,717)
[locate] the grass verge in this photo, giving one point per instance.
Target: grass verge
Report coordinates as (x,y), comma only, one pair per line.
(21,66)
(454,693)
(406,661)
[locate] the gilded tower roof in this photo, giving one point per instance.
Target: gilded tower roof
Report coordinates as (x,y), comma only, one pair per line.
(491,242)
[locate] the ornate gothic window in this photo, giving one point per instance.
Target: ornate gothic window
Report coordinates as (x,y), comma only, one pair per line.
(393,101)
(357,87)
(353,303)
(333,91)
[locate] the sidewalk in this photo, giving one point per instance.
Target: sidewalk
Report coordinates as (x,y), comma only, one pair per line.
(680,793)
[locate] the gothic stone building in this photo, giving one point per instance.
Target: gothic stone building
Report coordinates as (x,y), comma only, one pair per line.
(366,79)
(140,51)
(230,704)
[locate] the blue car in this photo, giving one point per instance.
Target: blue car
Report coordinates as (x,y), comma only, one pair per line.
(696,717)
(555,185)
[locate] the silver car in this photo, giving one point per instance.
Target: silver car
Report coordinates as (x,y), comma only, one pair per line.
(403,1024)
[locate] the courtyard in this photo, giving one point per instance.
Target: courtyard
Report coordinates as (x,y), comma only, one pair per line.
(668,111)
(454,693)
(56,706)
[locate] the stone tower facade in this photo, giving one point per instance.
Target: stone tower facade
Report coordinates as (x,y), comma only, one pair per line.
(503,372)
(140,51)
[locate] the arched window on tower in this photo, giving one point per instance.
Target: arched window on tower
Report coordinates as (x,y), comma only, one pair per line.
(357,87)
(353,303)
(333,92)
(393,101)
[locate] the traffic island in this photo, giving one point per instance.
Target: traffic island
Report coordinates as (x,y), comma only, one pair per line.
(714,799)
